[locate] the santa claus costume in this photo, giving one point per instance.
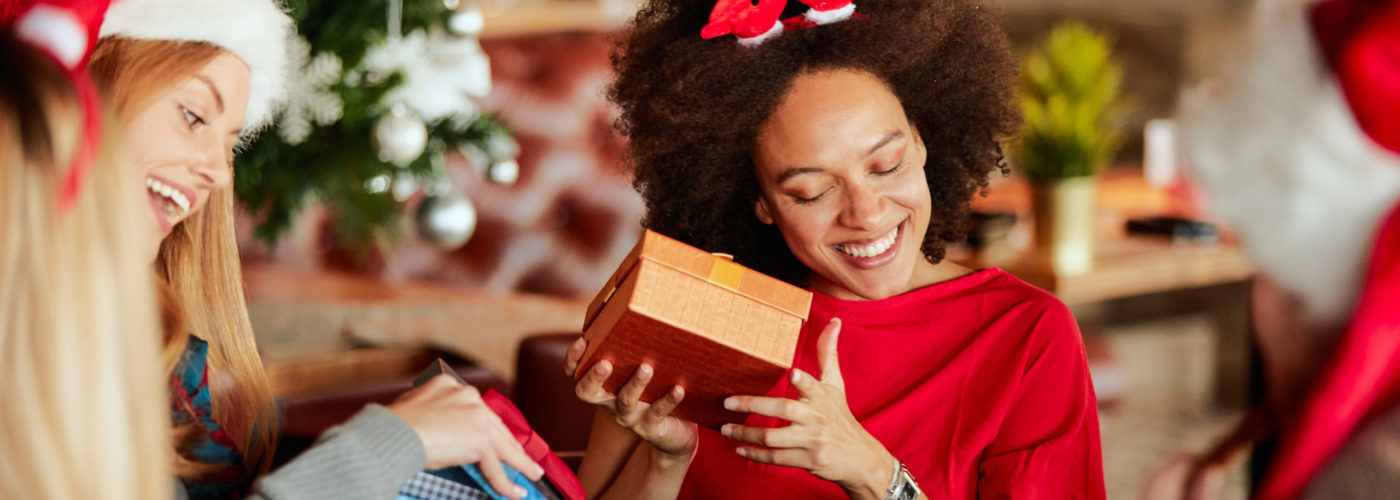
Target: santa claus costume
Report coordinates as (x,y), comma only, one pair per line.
(1299,149)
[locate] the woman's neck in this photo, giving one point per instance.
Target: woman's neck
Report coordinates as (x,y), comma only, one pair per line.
(924,274)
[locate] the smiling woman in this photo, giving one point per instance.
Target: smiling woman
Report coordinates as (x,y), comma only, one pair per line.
(191,79)
(839,149)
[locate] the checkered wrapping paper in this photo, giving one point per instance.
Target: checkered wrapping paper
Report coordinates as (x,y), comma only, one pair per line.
(425,486)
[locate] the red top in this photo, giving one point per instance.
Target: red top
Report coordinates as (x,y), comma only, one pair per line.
(979,385)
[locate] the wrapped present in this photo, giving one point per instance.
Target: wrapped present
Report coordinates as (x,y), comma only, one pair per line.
(467,482)
(700,320)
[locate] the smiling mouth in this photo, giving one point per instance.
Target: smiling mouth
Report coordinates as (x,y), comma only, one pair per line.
(874,249)
(168,201)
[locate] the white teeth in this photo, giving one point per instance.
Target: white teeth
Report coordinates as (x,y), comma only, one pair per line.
(877,248)
(176,197)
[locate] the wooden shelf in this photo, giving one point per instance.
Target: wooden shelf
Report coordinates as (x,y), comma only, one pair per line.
(559,16)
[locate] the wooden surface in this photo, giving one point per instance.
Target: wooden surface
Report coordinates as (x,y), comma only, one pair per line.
(1134,266)
(296,313)
(558,16)
(1124,265)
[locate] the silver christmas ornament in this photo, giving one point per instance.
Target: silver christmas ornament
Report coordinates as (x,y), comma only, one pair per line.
(447,221)
(504,172)
(400,136)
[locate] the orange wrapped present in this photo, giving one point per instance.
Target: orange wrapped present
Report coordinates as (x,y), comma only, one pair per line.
(701,321)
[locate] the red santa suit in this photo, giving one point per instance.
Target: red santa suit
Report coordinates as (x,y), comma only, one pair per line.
(1299,148)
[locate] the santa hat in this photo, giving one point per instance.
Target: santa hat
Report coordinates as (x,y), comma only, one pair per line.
(257,31)
(1295,151)
(67,31)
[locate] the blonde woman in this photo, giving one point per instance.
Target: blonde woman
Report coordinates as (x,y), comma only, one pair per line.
(191,80)
(83,412)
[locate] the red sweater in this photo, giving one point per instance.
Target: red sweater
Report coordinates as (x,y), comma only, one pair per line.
(979,385)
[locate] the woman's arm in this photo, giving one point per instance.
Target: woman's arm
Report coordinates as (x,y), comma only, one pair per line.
(368,457)
(437,425)
(1048,443)
(609,448)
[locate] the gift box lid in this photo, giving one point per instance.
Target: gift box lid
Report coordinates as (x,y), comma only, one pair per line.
(715,268)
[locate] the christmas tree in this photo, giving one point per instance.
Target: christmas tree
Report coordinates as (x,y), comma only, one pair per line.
(381,91)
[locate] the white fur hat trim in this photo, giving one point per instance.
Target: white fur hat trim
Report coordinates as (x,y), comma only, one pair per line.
(1282,159)
(256,31)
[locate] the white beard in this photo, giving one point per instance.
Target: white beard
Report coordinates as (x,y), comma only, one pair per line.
(1283,160)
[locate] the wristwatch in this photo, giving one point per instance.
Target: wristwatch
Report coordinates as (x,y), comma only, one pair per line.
(902,485)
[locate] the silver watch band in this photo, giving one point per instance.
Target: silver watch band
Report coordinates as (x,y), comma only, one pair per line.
(902,485)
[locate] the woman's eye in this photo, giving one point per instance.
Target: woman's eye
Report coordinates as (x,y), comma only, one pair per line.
(191,118)
(803,201)
(891,170)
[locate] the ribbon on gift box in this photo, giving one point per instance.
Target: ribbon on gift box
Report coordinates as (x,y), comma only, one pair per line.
(725,272)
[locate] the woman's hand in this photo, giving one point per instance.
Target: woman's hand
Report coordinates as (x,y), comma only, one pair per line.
(672,437)
(824,438)
(456,427)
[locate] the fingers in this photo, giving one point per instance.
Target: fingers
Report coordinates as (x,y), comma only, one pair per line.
(661,408)
(781,437)
(826,353)
(807,386)
(514,456)
(786,409)
(496,476)
(576,351)
(628,409)
(785,457)
(590,387)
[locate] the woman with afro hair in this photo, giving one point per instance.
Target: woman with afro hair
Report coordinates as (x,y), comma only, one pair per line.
(839,150)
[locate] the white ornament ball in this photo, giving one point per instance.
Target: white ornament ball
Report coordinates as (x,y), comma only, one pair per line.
(447,221)
(467,22)
(504,172)
(400,137)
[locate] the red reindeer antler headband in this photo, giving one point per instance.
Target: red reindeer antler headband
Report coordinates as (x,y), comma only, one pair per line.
(756,23)
(67,31)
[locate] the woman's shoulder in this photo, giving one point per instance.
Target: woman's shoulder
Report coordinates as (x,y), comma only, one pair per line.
(1008,294)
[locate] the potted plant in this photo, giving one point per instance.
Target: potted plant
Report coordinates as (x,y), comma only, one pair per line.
(1071,94)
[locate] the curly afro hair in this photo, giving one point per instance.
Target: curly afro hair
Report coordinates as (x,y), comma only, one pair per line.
(691,109)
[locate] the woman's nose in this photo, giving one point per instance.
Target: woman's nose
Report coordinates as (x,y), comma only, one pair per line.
(214,167)
(863,208)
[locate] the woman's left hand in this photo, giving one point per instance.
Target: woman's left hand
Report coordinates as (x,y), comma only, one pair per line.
(824,438)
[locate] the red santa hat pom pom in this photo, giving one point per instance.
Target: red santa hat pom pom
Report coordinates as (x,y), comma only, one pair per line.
(829,11)
(753,24)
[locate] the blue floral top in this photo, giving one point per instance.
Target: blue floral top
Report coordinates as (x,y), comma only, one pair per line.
(190,403)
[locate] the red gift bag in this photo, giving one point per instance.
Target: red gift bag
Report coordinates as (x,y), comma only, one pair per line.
(555,472)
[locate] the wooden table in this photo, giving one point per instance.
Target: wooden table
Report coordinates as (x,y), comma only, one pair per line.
(300,315)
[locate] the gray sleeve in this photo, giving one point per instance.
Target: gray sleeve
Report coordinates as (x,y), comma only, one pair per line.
(368,457)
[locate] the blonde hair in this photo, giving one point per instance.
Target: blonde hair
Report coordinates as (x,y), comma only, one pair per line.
(199,259)
(83,412)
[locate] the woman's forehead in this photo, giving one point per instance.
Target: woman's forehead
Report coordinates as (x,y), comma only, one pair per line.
(831,117)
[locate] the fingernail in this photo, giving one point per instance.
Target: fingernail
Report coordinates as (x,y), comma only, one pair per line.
(519,492)
(677,392)
(731,404)
(796,376)
(743,452)
(644,372)
(727,430)
(601,367)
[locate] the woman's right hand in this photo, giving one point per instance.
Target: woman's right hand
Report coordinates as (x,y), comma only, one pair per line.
(456,427)
(651,421)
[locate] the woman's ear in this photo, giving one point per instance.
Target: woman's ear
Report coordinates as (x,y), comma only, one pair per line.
(760,209)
